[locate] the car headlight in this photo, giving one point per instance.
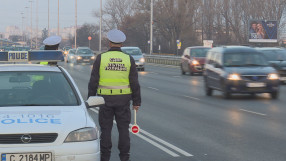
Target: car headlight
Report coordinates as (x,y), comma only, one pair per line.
(273,76)
(71,57)
(234,77)
(195,62)
(92,57)
(85,134)
(79,57)
(142,60)
(65,52)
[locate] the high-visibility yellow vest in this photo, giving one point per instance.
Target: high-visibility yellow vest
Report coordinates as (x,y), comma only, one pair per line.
(114,74)
(44,63)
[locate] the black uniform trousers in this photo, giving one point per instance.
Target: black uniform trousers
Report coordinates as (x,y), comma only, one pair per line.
(122,116)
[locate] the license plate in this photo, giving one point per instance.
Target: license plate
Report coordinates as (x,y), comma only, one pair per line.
(27,157)
(255,84)
(283,78)
(85,59)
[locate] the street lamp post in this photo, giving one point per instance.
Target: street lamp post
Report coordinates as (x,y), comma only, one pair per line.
(58,17)
(100,26)
(48,17)
(75,24)
(37,23)
(31,34)
(151,29)
(26,24)
(22,26)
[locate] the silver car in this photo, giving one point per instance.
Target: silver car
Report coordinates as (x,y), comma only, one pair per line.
(137,55)
(70,55)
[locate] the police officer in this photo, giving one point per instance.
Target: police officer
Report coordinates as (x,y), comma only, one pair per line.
(114,76)
(51,43)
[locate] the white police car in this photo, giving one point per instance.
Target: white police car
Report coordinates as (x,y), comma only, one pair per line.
(43,116)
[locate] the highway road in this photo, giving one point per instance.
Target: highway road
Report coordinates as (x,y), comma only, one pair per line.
(180,123)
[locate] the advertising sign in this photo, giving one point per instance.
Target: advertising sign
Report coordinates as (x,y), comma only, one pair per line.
(208,43)
(262,31)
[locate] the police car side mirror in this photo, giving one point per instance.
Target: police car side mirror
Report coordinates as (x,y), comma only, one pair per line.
(94,101)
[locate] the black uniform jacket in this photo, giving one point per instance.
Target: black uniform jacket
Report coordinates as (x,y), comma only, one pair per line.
(116,100)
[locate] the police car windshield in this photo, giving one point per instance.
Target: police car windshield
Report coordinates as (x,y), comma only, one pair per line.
(275,55)
(199,52)
(84,52)
(244,59)
(132,51)
(27,88)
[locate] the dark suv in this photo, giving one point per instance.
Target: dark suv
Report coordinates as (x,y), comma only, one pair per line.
(237,69)
(193,59)
(277,58)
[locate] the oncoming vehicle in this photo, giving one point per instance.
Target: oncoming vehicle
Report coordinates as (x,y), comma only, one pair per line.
(277,58)
(137,55)
(70,56)
(66,49)
(43,115)
(83,55)
(193,60)
(236,69)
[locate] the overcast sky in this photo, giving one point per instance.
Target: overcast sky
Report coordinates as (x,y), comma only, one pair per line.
(10,13)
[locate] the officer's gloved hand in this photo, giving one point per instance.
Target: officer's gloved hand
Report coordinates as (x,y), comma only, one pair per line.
(136,108)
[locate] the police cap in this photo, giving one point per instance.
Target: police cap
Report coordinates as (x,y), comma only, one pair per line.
(52,40)
(116,36)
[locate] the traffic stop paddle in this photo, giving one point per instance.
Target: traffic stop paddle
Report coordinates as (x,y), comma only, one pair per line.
(135,128)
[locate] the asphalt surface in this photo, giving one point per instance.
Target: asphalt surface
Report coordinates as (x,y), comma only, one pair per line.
(179,123)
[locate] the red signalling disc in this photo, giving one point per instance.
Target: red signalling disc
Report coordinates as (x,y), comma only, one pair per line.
(135,129)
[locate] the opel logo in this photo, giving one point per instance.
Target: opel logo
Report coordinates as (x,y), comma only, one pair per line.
(255,78)
(26,138)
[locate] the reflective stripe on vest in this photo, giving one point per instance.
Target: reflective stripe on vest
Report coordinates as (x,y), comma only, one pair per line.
(114,74)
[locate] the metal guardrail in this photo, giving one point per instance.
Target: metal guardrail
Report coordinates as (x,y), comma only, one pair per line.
(166,60)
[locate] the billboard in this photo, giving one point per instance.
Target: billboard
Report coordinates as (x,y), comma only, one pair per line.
(262,31)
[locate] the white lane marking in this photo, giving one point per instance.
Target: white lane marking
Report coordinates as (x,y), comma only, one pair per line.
(153,73)
(153,88)
(192,97)
(157,139)
(166,143)
(177,76)
(257,113)
(157,145)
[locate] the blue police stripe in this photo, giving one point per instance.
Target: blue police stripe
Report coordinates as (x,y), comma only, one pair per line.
(3,56)
(46,55)
(50,55)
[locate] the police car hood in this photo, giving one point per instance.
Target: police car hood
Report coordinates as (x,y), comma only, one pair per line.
(262,70)
(41,119)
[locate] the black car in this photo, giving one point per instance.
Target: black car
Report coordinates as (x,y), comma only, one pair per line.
(237,69)
(277,58)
